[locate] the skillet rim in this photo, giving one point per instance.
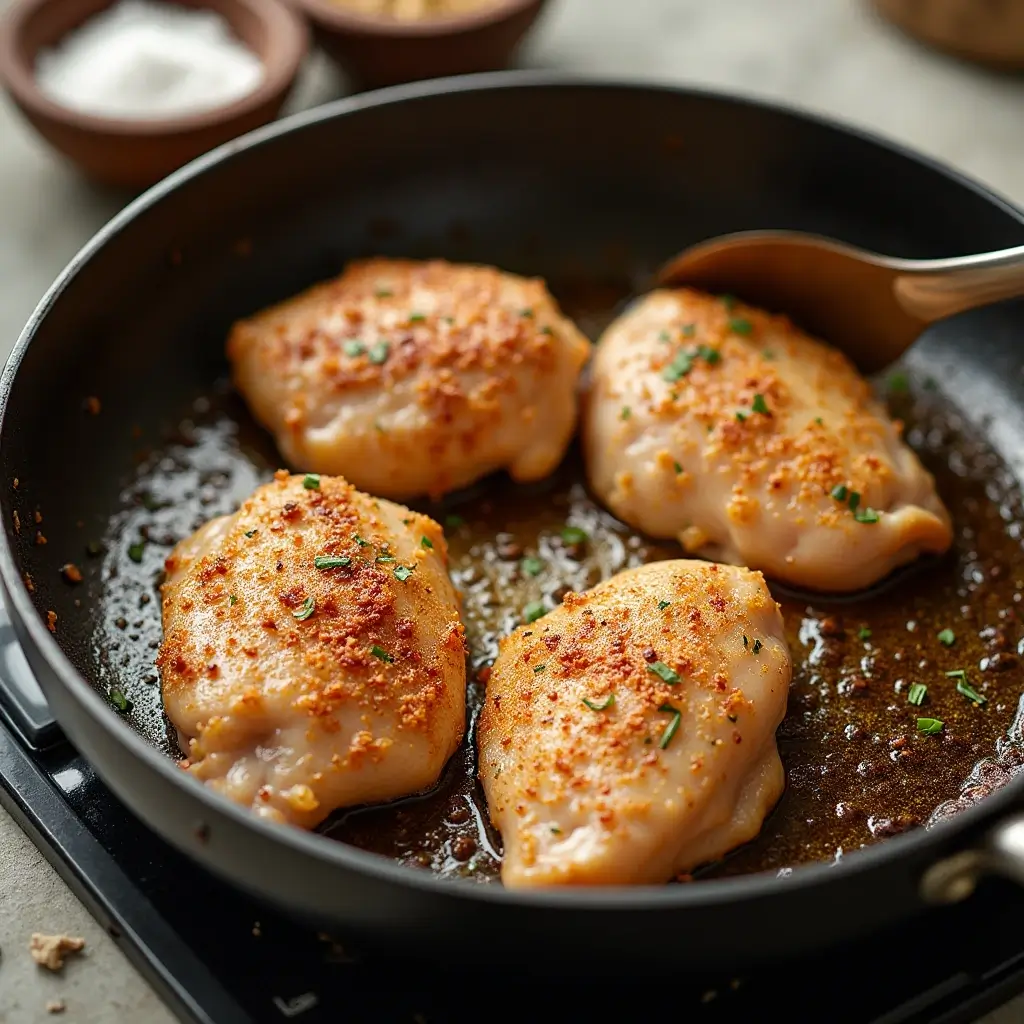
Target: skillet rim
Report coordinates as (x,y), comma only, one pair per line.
(383,869)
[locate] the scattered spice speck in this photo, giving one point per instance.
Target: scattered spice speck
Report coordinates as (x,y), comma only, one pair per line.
(51,621)
(71,572)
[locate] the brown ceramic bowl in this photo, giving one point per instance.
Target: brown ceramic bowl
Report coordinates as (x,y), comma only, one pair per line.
(989,33)
(376,51)
(136,153)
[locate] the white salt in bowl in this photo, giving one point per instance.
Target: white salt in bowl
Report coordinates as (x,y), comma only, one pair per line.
(137,151)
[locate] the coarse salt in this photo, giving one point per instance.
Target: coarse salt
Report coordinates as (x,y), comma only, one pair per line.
(140,59)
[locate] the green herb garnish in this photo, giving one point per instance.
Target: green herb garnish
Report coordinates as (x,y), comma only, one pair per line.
(768,354)
(677,467)
(533,611)
(574,535)
(383,293)
(839,492)
(709,355)
(417,318)
(729,301)
(307,609)
(354,348)
(740,326)
(361,541)
(679,367)
(384,557)
(760,405)
(403,572)
(673,726)
(250,533)
(897,382)
(756,649)
(378,353)
(331,561)
(232,600)
(866,515)
(608,702)
(526,312)
(664,336)
(379,652)
(864,633)
(741,416)
(689,330)
(537,669)
(930,726)
(427,543)
(663,672)
(119,700)
(946,637)
(915,695)
(965,688)
(626,413)
(531,565)
(135,551)
(662,605)
(311,481)
(854,500)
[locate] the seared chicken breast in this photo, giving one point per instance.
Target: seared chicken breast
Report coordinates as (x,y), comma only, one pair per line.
(414,378)
(629,734)
(729,429)
(313,656)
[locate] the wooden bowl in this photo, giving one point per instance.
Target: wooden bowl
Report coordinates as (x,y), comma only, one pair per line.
(377,51)
(137,152)
(989,33)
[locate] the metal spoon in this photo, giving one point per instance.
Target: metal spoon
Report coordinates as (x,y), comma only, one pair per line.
(872,307)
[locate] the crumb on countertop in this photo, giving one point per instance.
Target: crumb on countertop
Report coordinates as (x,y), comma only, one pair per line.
(51,621)
(49,950)
(71,572)
(56,1006)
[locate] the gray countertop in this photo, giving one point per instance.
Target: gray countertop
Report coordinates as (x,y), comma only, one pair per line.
(829,56)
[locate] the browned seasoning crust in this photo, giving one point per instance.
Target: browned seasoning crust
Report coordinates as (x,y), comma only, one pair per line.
(412,378)
(350,665)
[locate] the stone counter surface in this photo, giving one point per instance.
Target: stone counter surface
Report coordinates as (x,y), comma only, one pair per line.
(829,56)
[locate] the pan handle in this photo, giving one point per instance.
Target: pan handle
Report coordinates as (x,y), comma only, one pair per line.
(998,852)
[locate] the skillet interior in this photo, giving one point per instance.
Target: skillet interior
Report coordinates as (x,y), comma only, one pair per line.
(550,200)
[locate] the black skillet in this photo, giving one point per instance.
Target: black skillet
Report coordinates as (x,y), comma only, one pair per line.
(531,173)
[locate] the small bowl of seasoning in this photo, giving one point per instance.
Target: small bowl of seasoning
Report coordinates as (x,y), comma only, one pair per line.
(385,42)
(130,90)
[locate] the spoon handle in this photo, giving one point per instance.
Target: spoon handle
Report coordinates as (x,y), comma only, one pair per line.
(935,289)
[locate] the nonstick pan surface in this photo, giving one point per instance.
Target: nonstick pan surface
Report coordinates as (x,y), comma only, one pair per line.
(122,436)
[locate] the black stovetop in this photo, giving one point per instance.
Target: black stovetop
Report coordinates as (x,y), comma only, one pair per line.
(221,957)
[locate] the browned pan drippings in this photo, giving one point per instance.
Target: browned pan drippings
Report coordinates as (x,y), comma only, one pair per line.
(858,769)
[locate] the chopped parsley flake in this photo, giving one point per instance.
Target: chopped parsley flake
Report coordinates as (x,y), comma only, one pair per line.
(403,572)
(965,688)
(947,637)
(136,550)
(768,354)
(533,611)
(708,354)
(555,830)
(663,672)
(819,421)
(119,700)
(679,367)
(916,694)
(379,652)
(740,326)
(626,413)
(662,605)
(383,293)
(574,535)
(897,382)
(378,353)
(677,467)
(331,561)
(537,669)
(250,533)
(354,348)
(526,312)
(746,642)
(547,330)
(854,500)
(930,726)
(531,565)
(729,301)
(427,543)
(839,492)
(232,600)
(594,706)
(760,405)
(866,515)
(689,330)
(416,318)
(385,557)
(741,416)
(864,633)
(664,336)
(673,726)
(311,481)
(756,649)
(307,609)
(362,542)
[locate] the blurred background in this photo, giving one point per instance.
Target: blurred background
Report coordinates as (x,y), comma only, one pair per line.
(93,109)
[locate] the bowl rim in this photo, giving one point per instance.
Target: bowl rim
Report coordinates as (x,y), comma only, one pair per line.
(287,44)
(338,18)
